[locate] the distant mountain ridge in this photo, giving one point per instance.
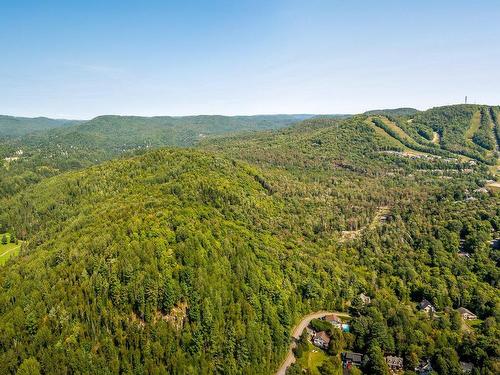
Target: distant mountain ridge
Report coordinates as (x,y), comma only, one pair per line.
(460,131)
(55,148)
(116,134)
(12,126)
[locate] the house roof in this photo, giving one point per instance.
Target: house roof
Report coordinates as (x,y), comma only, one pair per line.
(353,357)
(424,304)
(365,298)
(323,336)
(466,366)
(332,318)
(424,365)
(463,310)
(394,361)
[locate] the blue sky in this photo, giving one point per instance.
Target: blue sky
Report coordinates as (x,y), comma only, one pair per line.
(80,59)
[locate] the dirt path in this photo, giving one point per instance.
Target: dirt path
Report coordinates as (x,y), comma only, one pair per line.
(8,251)
(494,185)
(297,331)
(7,254)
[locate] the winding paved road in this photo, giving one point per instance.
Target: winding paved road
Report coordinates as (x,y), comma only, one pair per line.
(297,331)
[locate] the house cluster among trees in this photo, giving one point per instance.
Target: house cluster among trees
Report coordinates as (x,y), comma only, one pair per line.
(368,347)
(321,331)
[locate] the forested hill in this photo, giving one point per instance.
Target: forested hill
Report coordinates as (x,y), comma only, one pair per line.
(119,133)
(186,261)
(11,126)
(36,155)
(464,133)
(165,263)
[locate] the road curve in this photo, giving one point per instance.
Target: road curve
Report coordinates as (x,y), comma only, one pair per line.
(297,331)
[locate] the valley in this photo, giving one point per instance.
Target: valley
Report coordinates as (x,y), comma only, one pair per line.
(150,249)
(249,187)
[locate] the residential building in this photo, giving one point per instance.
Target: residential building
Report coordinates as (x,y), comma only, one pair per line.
(394,363)
(366,299)
(350,359)
(334,320)
(466,314)
(321,340)
(427,306)
(424,367)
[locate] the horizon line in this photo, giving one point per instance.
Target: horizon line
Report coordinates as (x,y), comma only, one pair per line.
(151,115)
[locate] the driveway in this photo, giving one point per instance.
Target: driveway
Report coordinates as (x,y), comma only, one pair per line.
(297,331)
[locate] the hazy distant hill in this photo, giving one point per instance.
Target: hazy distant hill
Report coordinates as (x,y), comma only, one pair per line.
(11,126)
(77,145)
(126,132)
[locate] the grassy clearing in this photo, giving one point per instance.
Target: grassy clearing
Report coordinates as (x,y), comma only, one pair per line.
(396,142)
(386,135)
(352,234)
(474,323)
(8,250)
(436,139)
(312,359)
(396,129)
(411,147)
(496,128)
(474,126)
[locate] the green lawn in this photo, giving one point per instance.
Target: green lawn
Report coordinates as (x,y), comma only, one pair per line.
(312,359)
(473,323)
(6,251)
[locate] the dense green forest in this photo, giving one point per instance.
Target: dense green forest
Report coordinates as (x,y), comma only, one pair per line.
(201,260)
(51,150)
(392,112)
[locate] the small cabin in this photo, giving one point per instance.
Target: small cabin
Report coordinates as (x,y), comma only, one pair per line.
(427,306)
(366,299)
(466,314)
